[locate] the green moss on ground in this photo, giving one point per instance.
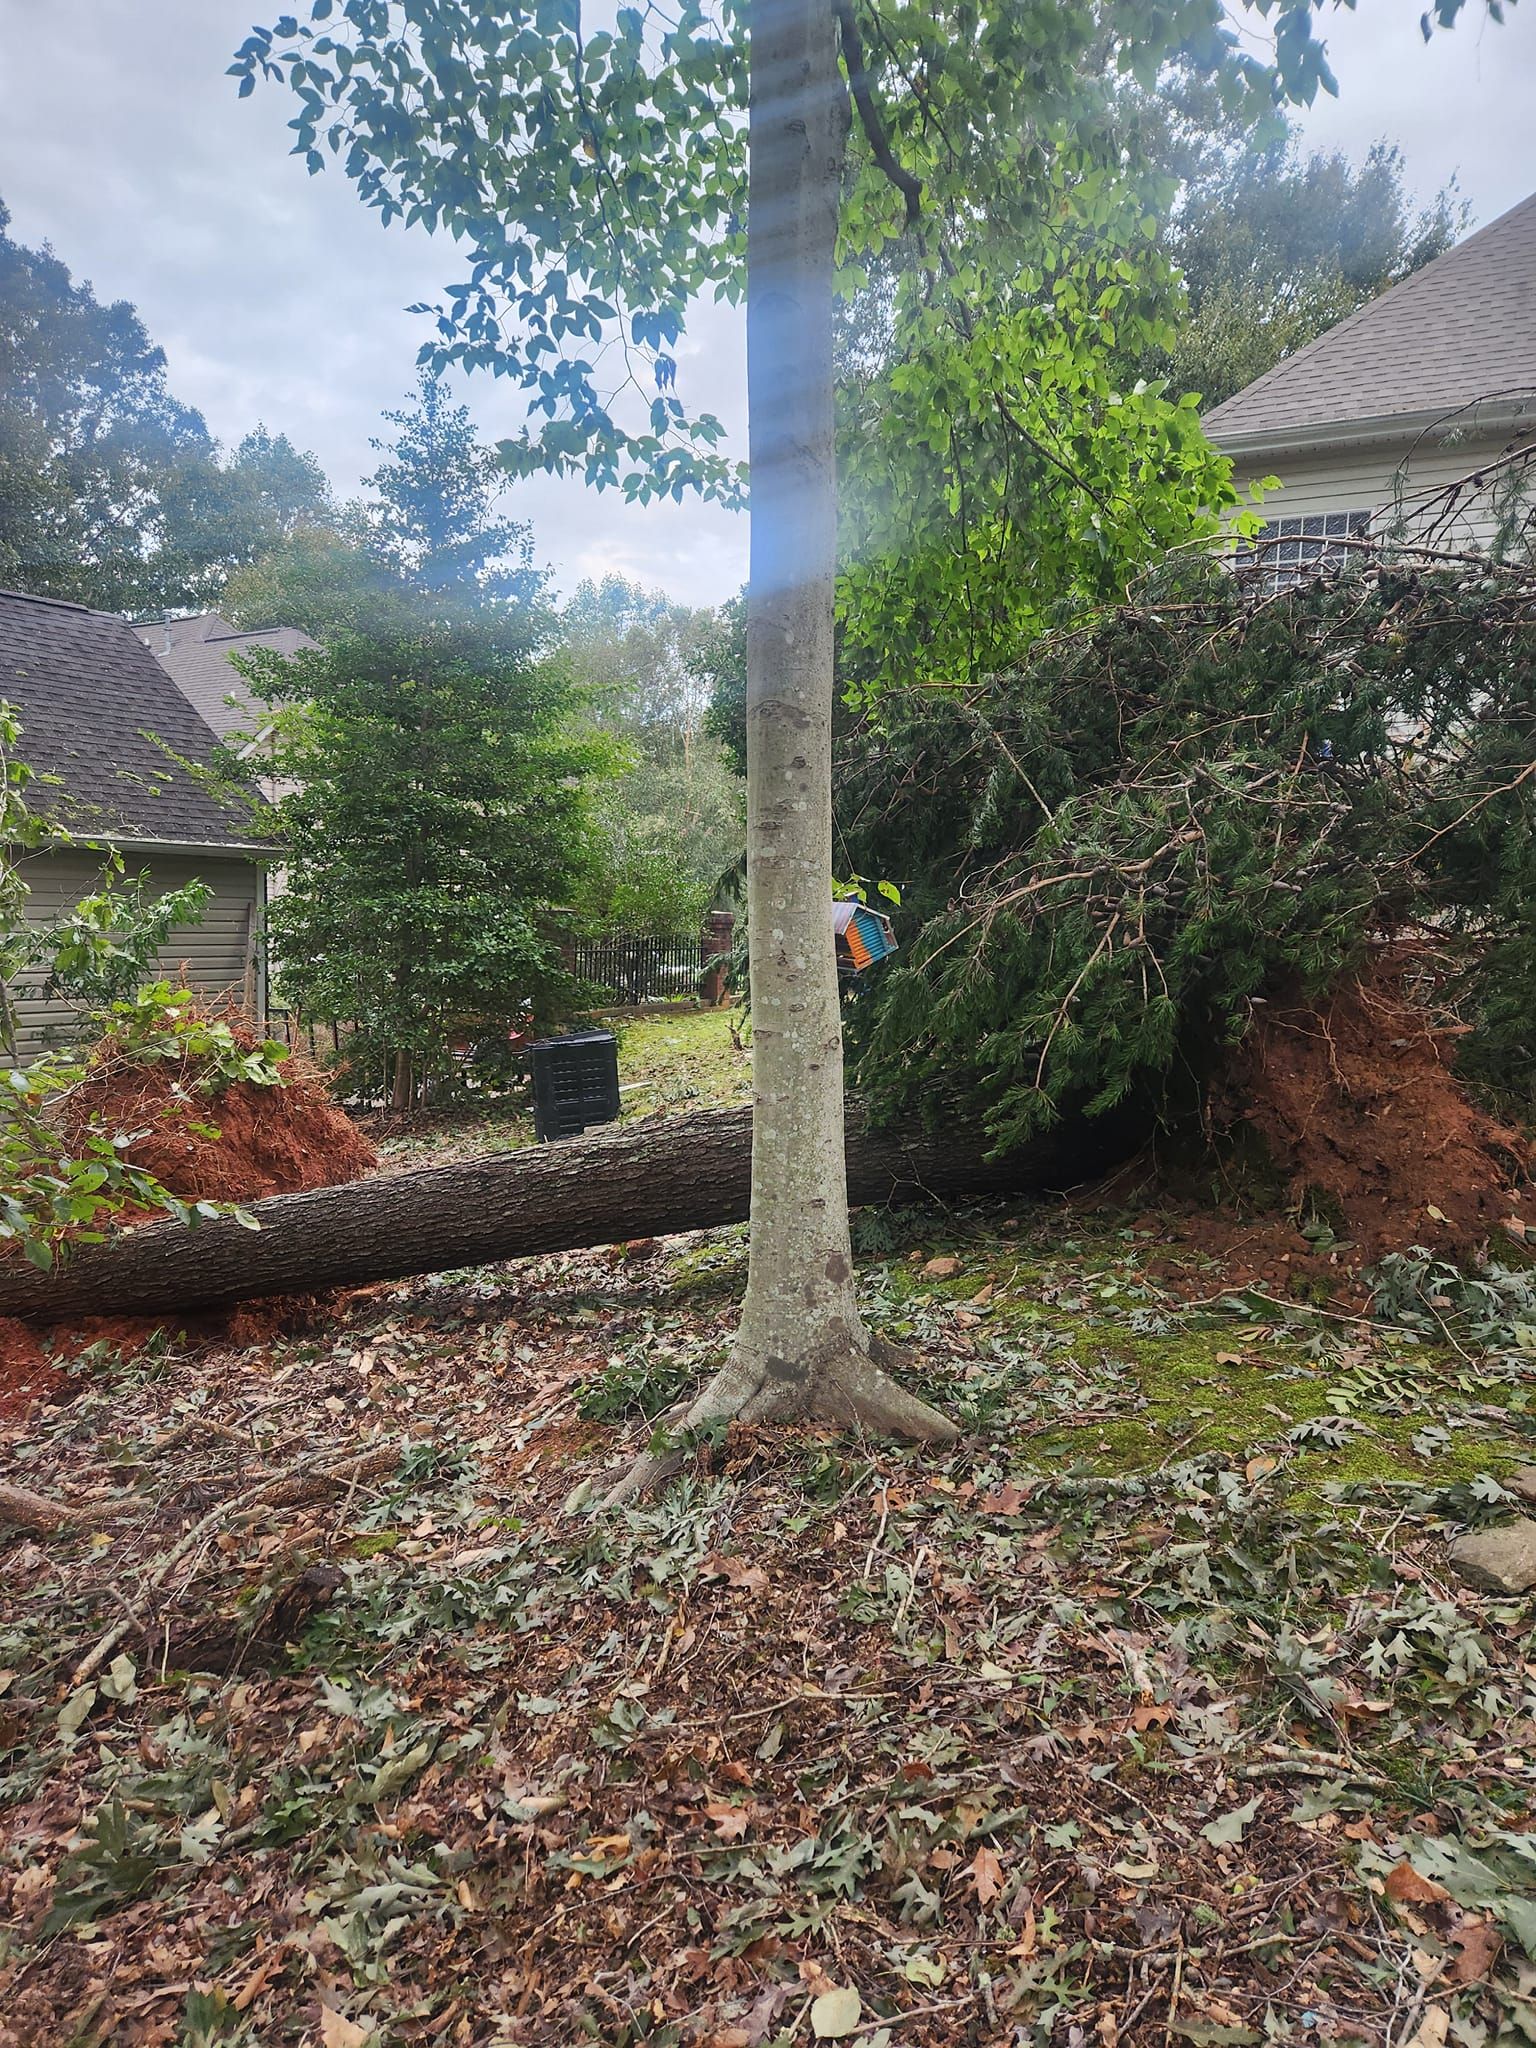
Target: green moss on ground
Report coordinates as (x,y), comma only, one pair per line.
(1078,1361)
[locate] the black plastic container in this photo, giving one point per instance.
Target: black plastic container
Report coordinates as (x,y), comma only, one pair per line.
(575,1083)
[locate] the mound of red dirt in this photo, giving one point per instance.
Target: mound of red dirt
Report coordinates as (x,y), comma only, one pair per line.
(271,1141)
(1358,1103)
(27,1374)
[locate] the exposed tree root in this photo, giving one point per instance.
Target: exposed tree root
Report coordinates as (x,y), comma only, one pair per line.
(853,1387)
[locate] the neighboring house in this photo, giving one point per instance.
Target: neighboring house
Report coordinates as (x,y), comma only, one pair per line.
(101,717)
(1415,415)
(195,654)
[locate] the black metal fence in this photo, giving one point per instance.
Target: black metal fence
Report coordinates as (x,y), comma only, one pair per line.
(639,967)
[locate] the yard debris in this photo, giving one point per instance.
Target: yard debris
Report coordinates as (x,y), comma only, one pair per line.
(955,1742)
(27,1374)
(270,1141)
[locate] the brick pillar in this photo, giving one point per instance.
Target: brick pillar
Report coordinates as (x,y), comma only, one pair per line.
(715,955)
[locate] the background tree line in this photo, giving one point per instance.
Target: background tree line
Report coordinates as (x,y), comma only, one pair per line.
(465,754)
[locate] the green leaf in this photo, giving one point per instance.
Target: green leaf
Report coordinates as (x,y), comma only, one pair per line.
(398,1771)
(74,1710)
(836,2013)
(1230,1827)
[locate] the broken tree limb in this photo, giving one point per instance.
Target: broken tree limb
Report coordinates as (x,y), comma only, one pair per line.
(20,1509)
(667,1174)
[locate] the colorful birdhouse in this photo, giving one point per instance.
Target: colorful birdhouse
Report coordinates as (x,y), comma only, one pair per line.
(863,936)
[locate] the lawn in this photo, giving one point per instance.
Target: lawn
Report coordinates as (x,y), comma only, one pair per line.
(1151,1713)
(669,1060)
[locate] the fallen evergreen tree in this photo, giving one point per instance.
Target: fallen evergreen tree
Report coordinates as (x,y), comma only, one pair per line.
(666,1174)
(1218,794)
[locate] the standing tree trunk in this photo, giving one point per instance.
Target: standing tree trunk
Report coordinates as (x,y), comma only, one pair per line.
(801,1348)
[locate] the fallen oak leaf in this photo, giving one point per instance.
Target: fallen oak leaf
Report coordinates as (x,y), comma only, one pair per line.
(1406,1886)
(1431,2030)
(1478,1944)
(1151,1715)
(740,1576)
(730,1822)
(337,2031)
(1004,1500)
(986,1875)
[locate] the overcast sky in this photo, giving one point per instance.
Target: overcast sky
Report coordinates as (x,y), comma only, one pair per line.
(277,297)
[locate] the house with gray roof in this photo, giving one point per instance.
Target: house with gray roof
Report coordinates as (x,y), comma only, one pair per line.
(1415,415)
(196,653)
(110,736)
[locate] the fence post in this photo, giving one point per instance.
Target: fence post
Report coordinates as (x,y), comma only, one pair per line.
(715,953)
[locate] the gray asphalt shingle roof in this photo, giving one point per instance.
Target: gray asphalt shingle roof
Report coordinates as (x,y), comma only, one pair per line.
(195,653)
(1460,329)
(93,701)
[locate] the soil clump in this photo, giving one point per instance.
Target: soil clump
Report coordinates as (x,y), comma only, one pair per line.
(237,1146)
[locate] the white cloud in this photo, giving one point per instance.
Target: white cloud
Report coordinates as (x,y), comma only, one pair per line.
(278,297)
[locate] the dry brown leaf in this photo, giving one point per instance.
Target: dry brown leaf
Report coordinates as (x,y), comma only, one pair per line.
(256,1983)
(1006,1500)
(337,2031)
(1431,2030)
(606,1847)
(1405,1887)
(740,1576)
(1478,1943)
(730,1822)
(986,1875)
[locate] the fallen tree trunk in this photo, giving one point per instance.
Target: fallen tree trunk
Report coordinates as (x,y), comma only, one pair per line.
(667,1174)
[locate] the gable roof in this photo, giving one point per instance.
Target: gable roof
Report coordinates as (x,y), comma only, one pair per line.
(1463,328)
(195,654)
(93,701)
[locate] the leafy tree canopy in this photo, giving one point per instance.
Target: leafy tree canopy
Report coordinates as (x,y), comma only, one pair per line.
(437,808)
(429,533)
(996,144)
(673,823)
(112,492)
(1275,246)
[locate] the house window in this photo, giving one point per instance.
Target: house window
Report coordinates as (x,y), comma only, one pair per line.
(1289,551)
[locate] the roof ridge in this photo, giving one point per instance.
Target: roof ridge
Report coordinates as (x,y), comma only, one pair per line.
(64,604)
(1386,306)
(248,633)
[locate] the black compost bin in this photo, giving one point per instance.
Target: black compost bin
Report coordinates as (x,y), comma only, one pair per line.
(575,1083)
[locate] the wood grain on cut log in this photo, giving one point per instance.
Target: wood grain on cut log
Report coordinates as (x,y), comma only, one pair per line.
(668,1174)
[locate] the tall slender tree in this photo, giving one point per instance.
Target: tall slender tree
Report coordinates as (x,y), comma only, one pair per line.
(601,181)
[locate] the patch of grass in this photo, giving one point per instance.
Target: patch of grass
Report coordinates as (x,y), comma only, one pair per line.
(678,1061)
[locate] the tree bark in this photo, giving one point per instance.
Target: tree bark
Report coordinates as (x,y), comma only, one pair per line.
(668,1174)
(801,1347)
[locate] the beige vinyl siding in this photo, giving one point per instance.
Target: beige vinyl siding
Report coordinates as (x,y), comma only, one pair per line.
(214,953)
(1379,480)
